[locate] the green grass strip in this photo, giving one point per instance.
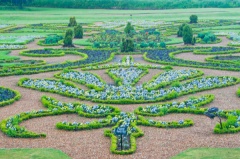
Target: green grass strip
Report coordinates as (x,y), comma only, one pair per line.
(34,153)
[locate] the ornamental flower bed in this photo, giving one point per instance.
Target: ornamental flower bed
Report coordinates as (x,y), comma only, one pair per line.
(126,61)
(192,105)
(87,78)
(90,57)
(225,59)
(43,53)
(168,77)
(217,50)
(125,76)
(11,47)
(167,57)
(8,96)
(126,93)
(124,125)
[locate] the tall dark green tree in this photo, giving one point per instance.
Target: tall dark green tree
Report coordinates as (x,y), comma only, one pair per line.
(72,22)
(187,34)
(129,28)
(180,30)
(193,19)
(78,32)
(127,45)
(67,42)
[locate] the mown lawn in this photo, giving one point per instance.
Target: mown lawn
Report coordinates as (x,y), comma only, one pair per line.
(37,153)
(60,15)
(209,153)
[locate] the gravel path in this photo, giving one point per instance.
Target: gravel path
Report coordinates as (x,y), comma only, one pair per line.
(156,143)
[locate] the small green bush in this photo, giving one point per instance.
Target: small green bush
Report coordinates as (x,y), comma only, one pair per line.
(193,19)
(78,32)
(72,22)
(67,42)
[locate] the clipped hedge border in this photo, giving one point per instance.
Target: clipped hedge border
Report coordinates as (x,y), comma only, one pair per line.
(10,101)
(163,84)
(57,75)
(51,111)
(208,52)
(233,45)
(24,47)
(172,95)
(212,59)
(214,42)
(55,53)
(40,70)
(41,62)
(41,43)
(118,81)
(197,110)
(108,66)
(176,63)
(174,124)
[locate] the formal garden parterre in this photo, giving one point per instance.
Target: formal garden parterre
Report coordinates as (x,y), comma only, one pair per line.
(124,105)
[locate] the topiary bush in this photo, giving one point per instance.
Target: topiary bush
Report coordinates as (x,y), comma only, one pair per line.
(193,19)
(72,22)
(187,34)
(78,32)
(127,45)
(180,30)
(67,42)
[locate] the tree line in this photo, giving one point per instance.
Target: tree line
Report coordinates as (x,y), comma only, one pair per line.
(124,4)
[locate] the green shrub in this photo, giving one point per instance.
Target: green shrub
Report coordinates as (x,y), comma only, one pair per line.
(67,42)
(180,30)
(78,32)
(129,28)
(144,45)
(238,92)
(207,37)
(187,34)
(162,44)
(72,22)
(127,45)
(193,19)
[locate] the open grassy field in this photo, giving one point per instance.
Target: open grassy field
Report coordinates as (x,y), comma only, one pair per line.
(54,15)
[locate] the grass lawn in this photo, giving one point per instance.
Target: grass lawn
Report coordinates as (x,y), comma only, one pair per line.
(209,153)
(60,15)
(37,153)
(82,42)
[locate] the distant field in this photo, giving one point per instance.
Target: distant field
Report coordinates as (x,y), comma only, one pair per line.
(55,15)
